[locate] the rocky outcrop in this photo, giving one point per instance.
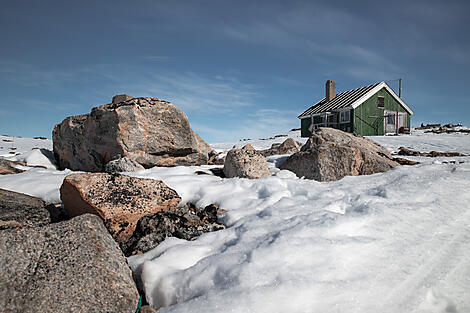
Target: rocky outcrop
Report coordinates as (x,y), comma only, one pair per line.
(72,266)
(149,131)
(20,210)
(289,146)
(331,154)
(8,167)
(118,199)
(122,165)
(245,163)
(186,222)
(431,154)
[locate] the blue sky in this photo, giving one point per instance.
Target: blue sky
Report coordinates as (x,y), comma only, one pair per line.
(238,69)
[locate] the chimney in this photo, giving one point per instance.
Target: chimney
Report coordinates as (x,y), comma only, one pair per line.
(330,90)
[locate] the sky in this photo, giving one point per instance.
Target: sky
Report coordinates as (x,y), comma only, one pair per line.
(238,69)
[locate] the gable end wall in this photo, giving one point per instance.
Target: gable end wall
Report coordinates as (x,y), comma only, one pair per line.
(365,124)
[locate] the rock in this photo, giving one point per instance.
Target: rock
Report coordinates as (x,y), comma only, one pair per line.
(120,98)
(72,266)
(186,222)
(123,165)
(20,210)
(289,146)
(245,163)
(118,199)
(330,154)
(147,309)
(149,131)
(431,154)
(8,167)
(403,161)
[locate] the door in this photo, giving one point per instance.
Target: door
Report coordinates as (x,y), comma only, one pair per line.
(389,122)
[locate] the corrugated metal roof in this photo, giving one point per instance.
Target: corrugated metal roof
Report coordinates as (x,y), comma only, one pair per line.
(342,100)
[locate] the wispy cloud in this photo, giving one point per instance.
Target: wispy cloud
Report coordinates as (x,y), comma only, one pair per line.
(193,91)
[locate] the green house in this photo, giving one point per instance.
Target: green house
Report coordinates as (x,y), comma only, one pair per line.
(370,111)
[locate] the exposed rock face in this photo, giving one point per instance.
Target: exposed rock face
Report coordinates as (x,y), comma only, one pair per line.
(331,154)
(20,210)
(123,165)
(118,199)
(8,167)
(186,222)
(289,146)
(72,266)
(150,131)
(245,163)
(431,154)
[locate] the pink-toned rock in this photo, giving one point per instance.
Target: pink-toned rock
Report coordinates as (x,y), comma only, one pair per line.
(118,199)
(330,154)
(150,131)
(245,163)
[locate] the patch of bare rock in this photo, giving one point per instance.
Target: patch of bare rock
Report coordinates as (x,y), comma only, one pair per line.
(119,200)
(20,210)
(431,154)
(245,163)
(69,266)
(331,154)
(150,131)
(186,222)
(139,213)
(8,167)
(289,146)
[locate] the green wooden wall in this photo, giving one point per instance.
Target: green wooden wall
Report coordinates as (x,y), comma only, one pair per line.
(364,122)
(304,125)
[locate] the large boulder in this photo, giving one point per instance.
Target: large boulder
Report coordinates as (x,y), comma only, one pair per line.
(245,163)
(72,266)
(330,154)
(118,199)
(20,210)
(288,146)
(150,131)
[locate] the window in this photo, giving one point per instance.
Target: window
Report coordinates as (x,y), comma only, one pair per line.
(391,119)
(330,119)
(344,117)
(380,101)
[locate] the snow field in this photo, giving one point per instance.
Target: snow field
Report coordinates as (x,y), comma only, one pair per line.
(392,242)
(379,243)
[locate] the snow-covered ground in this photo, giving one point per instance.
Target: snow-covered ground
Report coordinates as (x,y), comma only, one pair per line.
(392,242)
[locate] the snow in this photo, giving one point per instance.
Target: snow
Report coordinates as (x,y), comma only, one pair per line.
(391,242)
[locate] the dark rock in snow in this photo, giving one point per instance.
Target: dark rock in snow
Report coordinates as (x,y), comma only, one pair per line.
(20,210)
(432,154)
(8,167)
(72,266)
(186,222)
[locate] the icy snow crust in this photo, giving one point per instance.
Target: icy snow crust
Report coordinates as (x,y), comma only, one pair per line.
(392,242)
